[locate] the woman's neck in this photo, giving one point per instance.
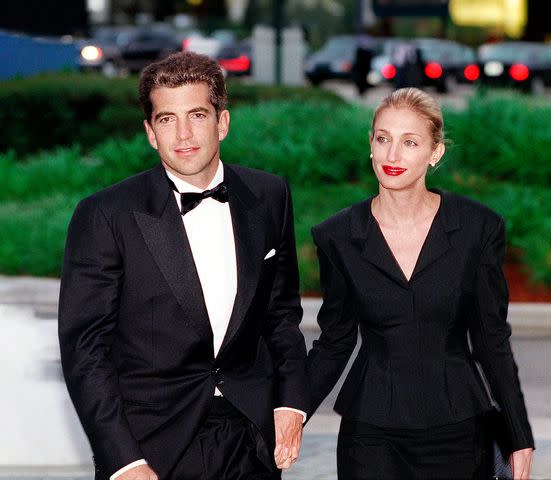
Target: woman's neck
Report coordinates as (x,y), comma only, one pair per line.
(392,207)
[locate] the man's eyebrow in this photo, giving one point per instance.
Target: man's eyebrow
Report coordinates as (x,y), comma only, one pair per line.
(193,110)
(162,114)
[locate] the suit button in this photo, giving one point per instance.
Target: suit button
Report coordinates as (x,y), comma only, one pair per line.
(220,382)
(215,371)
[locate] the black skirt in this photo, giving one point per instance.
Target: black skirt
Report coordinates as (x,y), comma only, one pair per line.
(457,451)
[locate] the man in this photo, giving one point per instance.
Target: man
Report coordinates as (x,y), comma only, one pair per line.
(179,304)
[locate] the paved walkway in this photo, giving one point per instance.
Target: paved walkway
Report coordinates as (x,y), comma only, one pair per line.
(20,295)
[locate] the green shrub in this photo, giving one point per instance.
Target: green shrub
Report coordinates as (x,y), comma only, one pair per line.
(503,137)
(41,112)
(321,148)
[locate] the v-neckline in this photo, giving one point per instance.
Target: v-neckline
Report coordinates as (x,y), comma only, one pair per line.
(423,246)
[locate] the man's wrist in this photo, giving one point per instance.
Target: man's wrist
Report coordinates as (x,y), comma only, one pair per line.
(137,463)
(304,415)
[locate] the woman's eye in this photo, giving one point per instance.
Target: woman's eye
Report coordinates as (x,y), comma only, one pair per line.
(410,143)
(381,139)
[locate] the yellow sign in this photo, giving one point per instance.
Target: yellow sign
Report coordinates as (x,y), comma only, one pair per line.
(511,15)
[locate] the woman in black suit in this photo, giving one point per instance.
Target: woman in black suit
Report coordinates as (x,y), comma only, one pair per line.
(420,272)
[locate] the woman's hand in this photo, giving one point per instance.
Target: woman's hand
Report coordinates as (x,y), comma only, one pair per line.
(521,462)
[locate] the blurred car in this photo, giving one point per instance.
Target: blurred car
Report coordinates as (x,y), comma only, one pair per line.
(209,44)
(381,67)
(524,65)
(428,62)
(236,58)
(337,58)
(127,49)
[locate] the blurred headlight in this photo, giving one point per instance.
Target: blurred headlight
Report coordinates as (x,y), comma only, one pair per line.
(493,69)
(91,53)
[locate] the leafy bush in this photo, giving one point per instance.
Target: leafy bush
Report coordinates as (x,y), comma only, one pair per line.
(504,137)
(321,148)
(38,113)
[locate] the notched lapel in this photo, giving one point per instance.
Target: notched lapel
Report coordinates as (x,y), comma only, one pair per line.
(166,239)
(367,235)
(438,242)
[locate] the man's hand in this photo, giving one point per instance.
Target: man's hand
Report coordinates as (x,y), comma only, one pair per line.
(521,461)
(141,472)
(288,428)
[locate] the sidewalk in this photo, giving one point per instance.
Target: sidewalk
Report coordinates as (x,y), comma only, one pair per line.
(28,307)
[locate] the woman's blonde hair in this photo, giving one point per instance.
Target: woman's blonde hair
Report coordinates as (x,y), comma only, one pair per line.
(419,102)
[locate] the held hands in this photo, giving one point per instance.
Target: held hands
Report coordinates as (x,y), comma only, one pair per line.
(288,428)
(140,472)
(521,461)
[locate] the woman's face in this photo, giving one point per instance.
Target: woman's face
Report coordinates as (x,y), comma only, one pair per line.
(402,149)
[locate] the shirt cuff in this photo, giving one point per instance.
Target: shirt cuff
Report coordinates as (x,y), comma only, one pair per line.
(293,410)
(128,467)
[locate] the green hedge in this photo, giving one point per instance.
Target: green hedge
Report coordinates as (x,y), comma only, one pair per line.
(38,113)
(321,148)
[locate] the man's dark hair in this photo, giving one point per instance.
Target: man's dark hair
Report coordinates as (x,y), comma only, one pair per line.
(183,68)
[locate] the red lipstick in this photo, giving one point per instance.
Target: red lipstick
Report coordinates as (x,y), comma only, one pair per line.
(393,171)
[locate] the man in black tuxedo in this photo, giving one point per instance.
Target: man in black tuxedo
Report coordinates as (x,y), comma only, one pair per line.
(179,305)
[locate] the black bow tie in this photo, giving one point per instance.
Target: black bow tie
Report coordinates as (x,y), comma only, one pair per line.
(190,200)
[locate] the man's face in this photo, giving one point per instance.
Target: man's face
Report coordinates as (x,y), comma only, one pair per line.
(186,132)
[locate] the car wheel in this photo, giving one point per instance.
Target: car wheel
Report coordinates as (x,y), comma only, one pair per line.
(109,69)
(537,86)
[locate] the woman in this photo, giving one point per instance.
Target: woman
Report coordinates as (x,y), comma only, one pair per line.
(420,272)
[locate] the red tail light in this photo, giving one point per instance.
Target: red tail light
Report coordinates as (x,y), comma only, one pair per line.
(433,70)
(471,72)
(185,43)
(519,72)
(240,64)
(388,71)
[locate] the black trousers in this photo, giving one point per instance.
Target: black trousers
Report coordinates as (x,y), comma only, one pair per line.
(226,449)
(457,451)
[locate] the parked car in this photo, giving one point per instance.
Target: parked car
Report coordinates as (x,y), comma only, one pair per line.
(236,58)
(128,49)
(338,56)
(524,65)
(209,44)
(429,62)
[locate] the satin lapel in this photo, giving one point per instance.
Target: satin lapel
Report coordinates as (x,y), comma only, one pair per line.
(249,232)
(367,235)
(164,233)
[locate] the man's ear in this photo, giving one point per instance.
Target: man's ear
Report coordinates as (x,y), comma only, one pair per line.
(223,124)
(150,134)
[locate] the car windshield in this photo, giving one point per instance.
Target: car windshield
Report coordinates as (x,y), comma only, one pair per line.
(339,45)
(505,52)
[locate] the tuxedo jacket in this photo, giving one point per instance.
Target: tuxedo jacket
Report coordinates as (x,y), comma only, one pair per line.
(136,342)
(422,338)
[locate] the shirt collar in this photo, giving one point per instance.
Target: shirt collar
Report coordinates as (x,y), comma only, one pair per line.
(184,187)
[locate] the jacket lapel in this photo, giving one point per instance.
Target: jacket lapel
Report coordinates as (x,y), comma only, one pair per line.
(164,233)
(437,242)
(249,224)
(367,235)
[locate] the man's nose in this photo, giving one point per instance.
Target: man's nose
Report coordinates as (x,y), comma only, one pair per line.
(183,129)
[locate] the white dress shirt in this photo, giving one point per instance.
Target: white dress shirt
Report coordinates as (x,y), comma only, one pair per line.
(210,233)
